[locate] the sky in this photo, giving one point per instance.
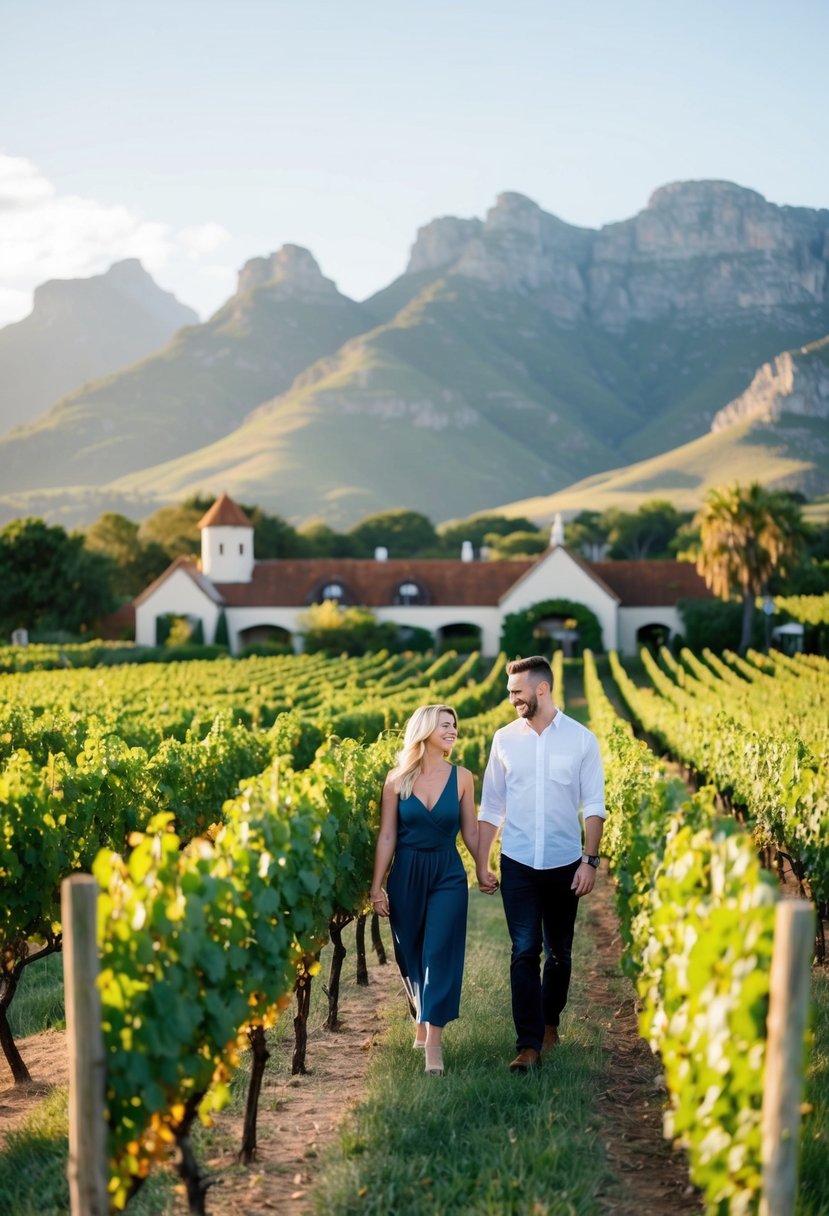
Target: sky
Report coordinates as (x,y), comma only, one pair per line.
(195,134)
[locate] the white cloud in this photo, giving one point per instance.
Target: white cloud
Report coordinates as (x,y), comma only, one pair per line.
(202,239)
(46,235)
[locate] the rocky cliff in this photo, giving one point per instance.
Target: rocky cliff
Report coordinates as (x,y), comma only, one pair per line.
(795,383)
(290,272)
(699,250)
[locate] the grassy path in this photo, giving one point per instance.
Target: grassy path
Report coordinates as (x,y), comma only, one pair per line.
(583,1136)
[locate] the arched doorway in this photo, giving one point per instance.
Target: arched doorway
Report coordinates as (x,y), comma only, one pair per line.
(654,636)
(270,638)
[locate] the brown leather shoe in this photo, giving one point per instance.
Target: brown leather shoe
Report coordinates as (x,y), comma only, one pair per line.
(551,1038)
(526,1060)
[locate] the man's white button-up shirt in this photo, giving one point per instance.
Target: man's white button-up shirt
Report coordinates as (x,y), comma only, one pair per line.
(535,783)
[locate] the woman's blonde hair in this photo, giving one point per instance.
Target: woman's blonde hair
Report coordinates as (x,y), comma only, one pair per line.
(410,757)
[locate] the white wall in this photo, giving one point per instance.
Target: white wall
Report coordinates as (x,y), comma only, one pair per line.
(180,595)
(558,577)
(488,620)
(632,619)
(433,618)
(221,559)
(239,619)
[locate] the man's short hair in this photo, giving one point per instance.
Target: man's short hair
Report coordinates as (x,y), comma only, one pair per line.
(538,667)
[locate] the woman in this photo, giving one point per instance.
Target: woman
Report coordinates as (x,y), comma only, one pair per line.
(426,800)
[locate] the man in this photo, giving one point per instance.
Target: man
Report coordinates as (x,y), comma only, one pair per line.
(541,769)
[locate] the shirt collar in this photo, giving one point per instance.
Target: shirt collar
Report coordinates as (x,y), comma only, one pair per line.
(556,722)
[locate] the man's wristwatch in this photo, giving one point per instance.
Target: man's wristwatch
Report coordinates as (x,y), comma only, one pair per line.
(592,859)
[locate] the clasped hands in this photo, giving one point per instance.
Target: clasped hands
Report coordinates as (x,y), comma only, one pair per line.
(487,881)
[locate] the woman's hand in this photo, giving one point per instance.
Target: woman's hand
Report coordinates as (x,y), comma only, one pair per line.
(380,903)
(487,881)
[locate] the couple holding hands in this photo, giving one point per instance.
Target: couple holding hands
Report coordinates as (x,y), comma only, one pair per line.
(542,768)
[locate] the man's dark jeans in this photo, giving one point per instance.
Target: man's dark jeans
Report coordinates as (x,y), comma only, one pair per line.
(540,907)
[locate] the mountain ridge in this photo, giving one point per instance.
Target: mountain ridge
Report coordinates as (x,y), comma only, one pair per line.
(81,330)
(515,356)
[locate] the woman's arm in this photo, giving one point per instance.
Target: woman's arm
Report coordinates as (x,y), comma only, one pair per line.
(469,817)
(383,853)
(471,831)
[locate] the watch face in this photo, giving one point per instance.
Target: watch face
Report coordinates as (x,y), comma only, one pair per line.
(594,862)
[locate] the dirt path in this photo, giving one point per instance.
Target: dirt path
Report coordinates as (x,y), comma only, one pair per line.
(300,1116)
(45,1056)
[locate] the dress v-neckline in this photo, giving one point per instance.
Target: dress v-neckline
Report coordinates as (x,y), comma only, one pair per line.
(430,809)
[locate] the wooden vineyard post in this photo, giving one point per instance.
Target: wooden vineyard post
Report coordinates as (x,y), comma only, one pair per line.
(87,1168)
(794,939)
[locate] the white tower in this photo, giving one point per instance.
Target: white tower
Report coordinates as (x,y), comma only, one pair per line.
(226,543)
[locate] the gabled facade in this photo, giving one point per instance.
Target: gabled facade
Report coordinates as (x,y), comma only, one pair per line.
(266,599)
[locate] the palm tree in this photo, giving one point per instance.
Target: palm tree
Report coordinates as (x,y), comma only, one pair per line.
(747,534)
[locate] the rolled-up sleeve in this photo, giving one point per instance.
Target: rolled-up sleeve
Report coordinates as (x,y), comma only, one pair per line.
(494,789)
(591,780)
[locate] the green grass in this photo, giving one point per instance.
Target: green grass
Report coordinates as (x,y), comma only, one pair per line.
(38,1002)
(478,1140)
(813,1196)
(33,1168)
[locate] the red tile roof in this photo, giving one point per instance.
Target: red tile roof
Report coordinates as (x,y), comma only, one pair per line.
(225,513)
(296,582)
(652,584)
(292,583)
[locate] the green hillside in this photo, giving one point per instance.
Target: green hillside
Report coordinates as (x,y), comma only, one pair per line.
(198,388)
(466,399)
(792,452)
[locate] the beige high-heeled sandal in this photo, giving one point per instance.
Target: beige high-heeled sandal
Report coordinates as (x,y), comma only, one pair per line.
(434,1068)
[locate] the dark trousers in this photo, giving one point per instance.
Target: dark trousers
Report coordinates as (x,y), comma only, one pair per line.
(540,908)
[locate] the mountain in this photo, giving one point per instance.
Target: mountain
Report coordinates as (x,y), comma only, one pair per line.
(283,316)
(776,432)
(515,356)
(80,330)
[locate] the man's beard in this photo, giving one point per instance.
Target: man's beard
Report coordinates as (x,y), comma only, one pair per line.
(531,707)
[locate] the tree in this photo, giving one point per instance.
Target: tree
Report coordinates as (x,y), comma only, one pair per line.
(478,527)
(175,529)
(403,533)
(320,540)
(135,563)
(517,544)
(273,536)
(588,533)
(49,581)
(746,535)
(646,533)
(329,628)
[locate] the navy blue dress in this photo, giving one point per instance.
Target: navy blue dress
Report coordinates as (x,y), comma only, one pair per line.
(428,899)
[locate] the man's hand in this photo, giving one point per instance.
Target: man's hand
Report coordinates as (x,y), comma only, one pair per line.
(583,880)
(487,881)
